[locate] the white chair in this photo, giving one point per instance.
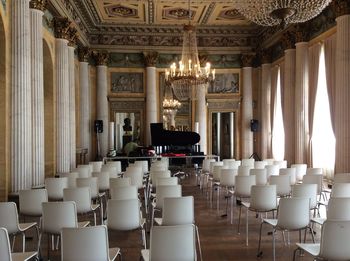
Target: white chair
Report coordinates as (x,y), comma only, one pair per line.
(291,172)
(341,190)
(229,163)
(102,180)
(263,199)
(272,170)
(55,186)
(128,192)
(113,171)
(300,170)
(314,179)
(269,161)
(96,165)
(248,162)
(164,192)
(293,215)
(136,176)
(57,215)
(282,185)
(306,191)
(84,170)
(115,164)
(341,178)
(124,215)
(227,181)
(72,178)
(87,244)
(260,164)
(244,170)
(171,243)
(9,220)
(82,198)
(314,171)
(5,250)
(167,181)
(281,163)
(334,245)
(143,164)
(260,176)
(30,202)
(119,182)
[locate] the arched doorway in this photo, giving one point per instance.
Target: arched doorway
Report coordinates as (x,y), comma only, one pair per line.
(3,115)
(49,112)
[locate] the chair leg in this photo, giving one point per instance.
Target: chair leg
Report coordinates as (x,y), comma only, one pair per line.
(273,244)
(199,244)
(144,238)
(231,210)
(259,251)
(146,201)
(39,245)
(13,243)
(246,228)
(295,253)
(218,198)
(23,242)
(239,218)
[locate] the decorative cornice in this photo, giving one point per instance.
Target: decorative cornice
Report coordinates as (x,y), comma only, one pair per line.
(247,59)
(72,36)
(61,26)
(265,56)
(288,40)
(150,58)
(38,4)
(341,7)
(302,33)
(101,58)
(84,53)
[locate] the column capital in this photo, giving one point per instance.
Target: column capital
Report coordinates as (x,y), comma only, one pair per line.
(247,59)
(61,27)
(38,4)
(150,58)
(72,36)
(288,40)
(265,56)
(101,58)
(340,7)
(84,53)
(301,33)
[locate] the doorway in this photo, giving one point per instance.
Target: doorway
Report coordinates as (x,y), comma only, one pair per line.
(223,134)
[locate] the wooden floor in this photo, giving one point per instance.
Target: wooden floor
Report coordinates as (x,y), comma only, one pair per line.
(219,239)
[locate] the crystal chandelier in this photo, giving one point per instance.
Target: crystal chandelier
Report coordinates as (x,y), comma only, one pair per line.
(170,104)
(188,75)
(275,12)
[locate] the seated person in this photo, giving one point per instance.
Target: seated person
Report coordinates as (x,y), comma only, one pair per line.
(131,148)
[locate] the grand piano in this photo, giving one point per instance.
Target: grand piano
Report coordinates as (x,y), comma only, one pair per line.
(174,143)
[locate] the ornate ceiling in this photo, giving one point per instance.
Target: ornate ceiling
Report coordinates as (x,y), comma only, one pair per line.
(130,24)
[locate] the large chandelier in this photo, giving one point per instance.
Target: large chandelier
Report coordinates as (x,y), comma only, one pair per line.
(170,103)
(275,12)
(188,75)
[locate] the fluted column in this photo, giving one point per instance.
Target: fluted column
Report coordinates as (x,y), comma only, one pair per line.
(342,91)
(37,8)
(247,105)
(71,76)
(102,102)
(85,121)
(62,85)
(201,118)
(151,93)
(301,99)
(288,98)
(21,114)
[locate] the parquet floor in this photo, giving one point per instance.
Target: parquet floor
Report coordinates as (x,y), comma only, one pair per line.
(219,239)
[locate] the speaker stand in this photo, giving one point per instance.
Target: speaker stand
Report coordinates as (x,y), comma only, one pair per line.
(98,153)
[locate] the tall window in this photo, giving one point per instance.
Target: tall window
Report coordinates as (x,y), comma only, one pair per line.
(323,140)
(278,127)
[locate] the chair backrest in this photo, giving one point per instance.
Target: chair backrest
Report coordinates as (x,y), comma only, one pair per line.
(96,165)
(167,181)
(314,179)
(306,191)
(90,182)
(116,164)
(293,213)
(81,196)
(119,182)
(5,250)
(72,178)
(158,165)
(57,215)
(102,180)
(272,170)
(227,177)
(260,164)
(269,161)
(215,163)
(263,197)
(55,186)
(341,190)
(206,164)
(84,171)
(338,208)
(314,171)
(341,178)
(248,162)
(229,163)
(30,201)
(335,237)
(128,192)
(155,174)
(244,170)
(217,172)
(9,216)
(123,214)
(291,172)
(300,170)
(143,164)
(282,184)
(85,243)
(280,163)
(178,211)
(172,243)
(136,176)
(260,176)
(243,185)
(113,172)
(167,192)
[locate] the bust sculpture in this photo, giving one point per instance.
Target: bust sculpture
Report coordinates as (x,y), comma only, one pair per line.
(127,127)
